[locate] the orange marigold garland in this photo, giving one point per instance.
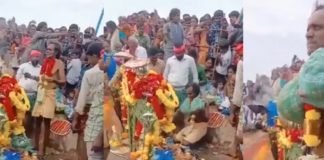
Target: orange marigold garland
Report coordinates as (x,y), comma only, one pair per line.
(312,126)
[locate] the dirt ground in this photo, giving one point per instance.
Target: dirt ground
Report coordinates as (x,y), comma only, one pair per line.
(224,134)
(257,146)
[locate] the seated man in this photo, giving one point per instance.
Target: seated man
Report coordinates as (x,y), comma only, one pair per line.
(192,103)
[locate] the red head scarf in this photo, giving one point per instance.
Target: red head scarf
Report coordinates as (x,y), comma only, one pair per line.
(35,53)
(239,49)
(179,50)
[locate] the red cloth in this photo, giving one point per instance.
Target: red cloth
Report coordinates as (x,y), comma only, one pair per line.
(35,53)
(179,50)
(308,107)
(239,49)
(26,41)
(47,67)
(7,85)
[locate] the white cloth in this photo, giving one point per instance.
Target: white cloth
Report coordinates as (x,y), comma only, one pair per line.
(225,63)
(225,104)
(177,72)
(92,88)
(28,84)
(140,52)
(276,88)
(73,71)
(238,88)
(92,80)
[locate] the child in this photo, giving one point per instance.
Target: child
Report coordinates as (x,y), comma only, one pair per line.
(69,102)
(229,86)
(220,90)
(208,89)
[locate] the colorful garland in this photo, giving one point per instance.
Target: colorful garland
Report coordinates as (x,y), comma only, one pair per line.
(168,97)
(13,105)
(159,95)
(4,128)
(312,126)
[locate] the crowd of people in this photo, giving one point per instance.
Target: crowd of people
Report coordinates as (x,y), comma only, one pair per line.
(258,94)
(67,73)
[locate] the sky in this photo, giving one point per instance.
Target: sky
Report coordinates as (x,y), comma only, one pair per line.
(86,12)
(273,32)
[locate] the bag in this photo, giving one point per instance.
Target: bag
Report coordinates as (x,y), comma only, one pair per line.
(311,81)
(290,105)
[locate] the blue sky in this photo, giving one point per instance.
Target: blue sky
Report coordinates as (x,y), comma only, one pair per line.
(86,12)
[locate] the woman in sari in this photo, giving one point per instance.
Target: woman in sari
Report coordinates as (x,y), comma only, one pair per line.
(202,30)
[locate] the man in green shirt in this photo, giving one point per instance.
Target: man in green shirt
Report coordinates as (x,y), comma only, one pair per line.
(143,39)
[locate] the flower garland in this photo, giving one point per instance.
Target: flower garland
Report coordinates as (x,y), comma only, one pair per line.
(13,104)
(288,140)
(160,96)
(4,128)
(7,85)
(47,67)
(312,126)
(168,97)
(125,90)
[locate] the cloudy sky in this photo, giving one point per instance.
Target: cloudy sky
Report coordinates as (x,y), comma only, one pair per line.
(274,31)
(86,12)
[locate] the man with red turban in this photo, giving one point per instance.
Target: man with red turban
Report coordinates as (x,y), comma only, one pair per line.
(178,69)
(27,77)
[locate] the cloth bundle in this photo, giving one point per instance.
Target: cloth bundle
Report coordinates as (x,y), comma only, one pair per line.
(307,88)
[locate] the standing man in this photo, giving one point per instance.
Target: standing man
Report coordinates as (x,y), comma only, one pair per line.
(135,49)
(177,71)
(73,70)
(155,64)
(115,36)
(27,76)
(143,38)
(173,33)
(92,86)
(223,61)
(315,30)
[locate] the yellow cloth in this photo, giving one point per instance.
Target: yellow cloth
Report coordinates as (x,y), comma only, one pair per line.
(47,108)
(110,119)
(203,49)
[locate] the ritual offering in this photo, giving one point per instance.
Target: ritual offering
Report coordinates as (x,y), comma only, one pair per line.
(148,103)
(14,104)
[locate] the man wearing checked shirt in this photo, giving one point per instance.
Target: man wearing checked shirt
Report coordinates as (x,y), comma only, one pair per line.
(92,87)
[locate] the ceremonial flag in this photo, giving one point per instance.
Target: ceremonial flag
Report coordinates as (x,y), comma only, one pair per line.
(100,19)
